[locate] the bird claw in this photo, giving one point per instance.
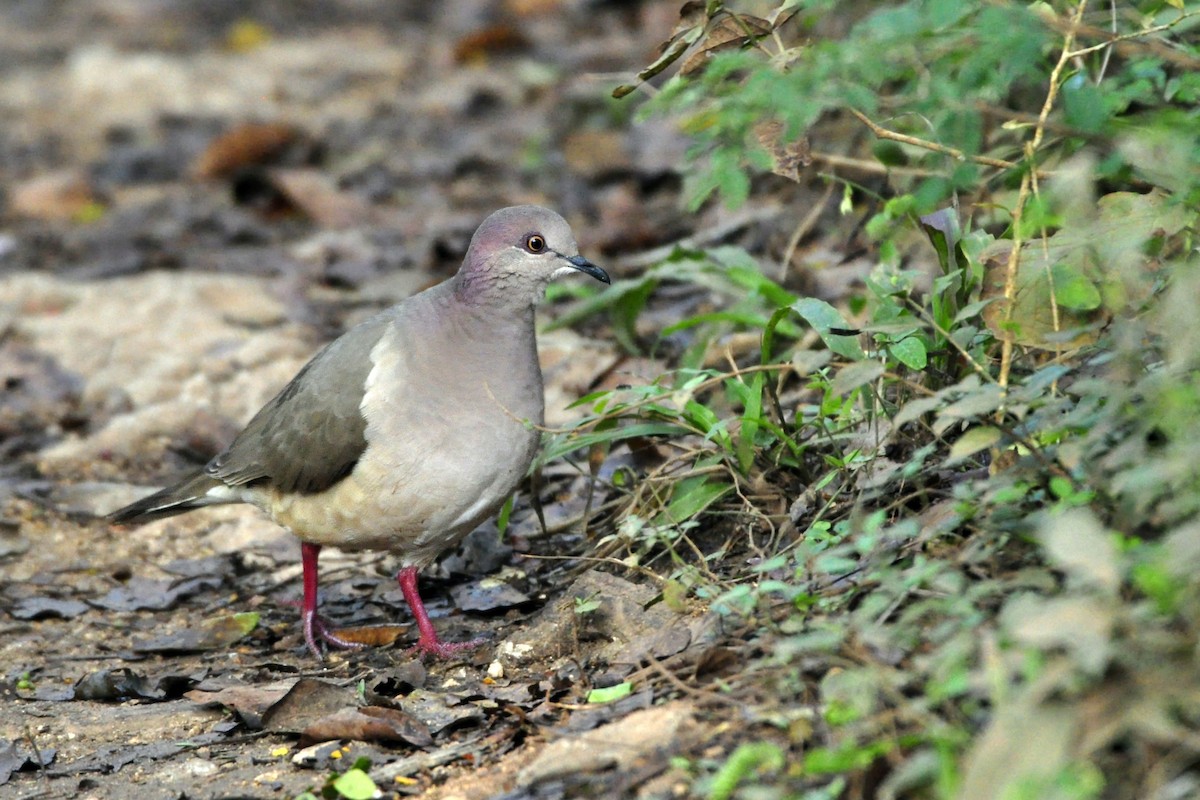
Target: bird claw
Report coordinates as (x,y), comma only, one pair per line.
(426,647)
(315,630)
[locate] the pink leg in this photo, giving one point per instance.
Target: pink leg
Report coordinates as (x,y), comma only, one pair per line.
(314,627)
(427,642)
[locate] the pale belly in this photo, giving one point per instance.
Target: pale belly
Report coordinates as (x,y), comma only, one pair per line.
(414,506)
(440,458)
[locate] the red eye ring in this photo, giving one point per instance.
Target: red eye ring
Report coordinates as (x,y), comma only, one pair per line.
(535,243)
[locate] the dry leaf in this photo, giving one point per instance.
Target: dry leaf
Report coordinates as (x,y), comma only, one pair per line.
(372,635)
(368,724)
(250,703)
(1084,270)
(249,145)
(316,195)
(788,159)
(59,196)
(476,47)
(729,32)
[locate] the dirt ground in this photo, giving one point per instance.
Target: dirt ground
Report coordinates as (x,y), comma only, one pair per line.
(195,197)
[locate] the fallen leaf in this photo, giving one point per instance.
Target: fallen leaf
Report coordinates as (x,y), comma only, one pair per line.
(14,758)
(250,703)
(59,196)
(610,693)
(252,144)
(368,724)
(788,159)
(1084,270)
(372,635)
(148,594)
(123,683)
(211,634)
(620,743)
(306,702)
(475,47)
(317,196)
(439,711)
(488,594)
(48,608)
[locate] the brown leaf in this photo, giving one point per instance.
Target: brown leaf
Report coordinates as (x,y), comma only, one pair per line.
(59,196)
(372,635)
(476,47)
(1067,284)
(248,702)
(316,195)
(693,17)
(787,158)
(533,8)
(620,743)
(368,724)
(249,145)
(716,661)
(306,702)
(216,633)
(1024,741)
(729,32)
(1035,320)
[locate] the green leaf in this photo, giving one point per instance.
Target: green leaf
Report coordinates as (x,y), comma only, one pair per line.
(560,446)
(691,496)
(910,352)
(852,376)
(1083,104)
(750,421)
(823,317)
(503,517)
(1072,289)
(354,784)
(943,231)
(972,442)
(748,758)
(1077,542)
(586,605)
(610,693)
(916,408)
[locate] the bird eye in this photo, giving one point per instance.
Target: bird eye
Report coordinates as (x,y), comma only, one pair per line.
(535,244)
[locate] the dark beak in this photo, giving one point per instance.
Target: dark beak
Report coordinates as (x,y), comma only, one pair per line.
(588,268)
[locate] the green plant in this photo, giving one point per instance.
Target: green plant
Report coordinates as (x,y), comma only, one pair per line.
(964,496)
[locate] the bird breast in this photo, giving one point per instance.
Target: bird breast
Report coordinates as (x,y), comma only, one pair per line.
(450,433)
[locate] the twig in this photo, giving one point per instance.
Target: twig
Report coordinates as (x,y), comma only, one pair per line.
(978,368)
(1014,256)
(1112,12)
(1125,37)
(872,167)
(957,155)
(806,225)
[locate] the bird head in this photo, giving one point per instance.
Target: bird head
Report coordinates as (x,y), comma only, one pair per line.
(519,250)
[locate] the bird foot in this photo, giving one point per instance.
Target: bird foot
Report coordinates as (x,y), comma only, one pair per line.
(316,631)
(437,649)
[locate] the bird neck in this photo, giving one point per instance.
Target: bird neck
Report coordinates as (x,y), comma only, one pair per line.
(501,295)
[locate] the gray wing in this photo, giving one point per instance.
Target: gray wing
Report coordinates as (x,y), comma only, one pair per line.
(311,434)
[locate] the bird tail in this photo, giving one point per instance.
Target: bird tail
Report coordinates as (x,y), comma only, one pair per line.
(196,491)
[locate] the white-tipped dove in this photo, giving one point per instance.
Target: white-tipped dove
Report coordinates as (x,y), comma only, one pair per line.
(409,430)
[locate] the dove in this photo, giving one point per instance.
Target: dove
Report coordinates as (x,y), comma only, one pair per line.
(409,430)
